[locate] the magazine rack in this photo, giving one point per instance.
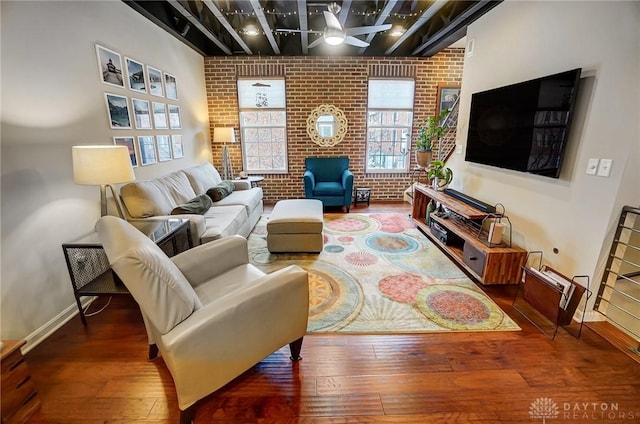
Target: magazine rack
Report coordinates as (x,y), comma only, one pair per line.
(550,299)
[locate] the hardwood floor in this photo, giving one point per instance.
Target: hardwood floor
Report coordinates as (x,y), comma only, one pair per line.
(100,374)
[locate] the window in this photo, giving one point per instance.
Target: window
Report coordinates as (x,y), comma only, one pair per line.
(263,125)
(389,123)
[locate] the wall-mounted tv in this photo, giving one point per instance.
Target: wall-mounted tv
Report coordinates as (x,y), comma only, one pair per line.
(523,126)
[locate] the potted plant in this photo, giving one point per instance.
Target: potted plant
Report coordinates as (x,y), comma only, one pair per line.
(440,174)
(431,130)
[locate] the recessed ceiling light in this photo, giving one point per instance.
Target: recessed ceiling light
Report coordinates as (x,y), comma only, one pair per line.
(397,31)
(251,27)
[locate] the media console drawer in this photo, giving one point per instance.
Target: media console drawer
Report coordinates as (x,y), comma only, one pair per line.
(474,258)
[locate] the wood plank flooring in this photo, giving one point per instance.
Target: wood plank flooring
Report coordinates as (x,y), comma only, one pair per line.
(100,374)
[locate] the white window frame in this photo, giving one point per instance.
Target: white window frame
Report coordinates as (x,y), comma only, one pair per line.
(386,102)
(272,91)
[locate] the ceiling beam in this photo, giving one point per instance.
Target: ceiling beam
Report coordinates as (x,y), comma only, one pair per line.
(196,22)
(304,26)
(454,25)
(227,25)
(265,25)
(423,19)
(383,17)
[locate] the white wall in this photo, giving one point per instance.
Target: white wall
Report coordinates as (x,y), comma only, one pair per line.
(52,99)
(577,213)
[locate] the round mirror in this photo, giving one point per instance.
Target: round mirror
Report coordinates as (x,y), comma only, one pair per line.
(326,125)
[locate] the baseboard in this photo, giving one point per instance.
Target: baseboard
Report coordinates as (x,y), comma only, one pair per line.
(39,335)
(591,316)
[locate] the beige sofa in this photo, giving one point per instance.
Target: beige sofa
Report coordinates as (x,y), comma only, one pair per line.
(237,213)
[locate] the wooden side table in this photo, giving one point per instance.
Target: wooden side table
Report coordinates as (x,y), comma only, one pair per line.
(19,397)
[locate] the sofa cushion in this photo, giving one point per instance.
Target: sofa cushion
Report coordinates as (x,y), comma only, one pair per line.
(198,205)
(202,177)
(220,191)
(222,221)
(162,291)
(159,196)
(250,199)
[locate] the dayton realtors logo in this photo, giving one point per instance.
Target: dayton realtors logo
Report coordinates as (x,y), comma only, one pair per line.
(543,408)
(546,408)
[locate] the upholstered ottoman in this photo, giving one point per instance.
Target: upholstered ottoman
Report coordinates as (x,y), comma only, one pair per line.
(295,226)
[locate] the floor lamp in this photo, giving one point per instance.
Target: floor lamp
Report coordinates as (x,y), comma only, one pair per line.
(225,135)
(102,166)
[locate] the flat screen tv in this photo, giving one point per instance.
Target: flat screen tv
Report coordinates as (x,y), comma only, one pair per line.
(523,126)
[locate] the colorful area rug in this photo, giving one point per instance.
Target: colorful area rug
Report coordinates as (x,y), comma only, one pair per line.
(379,274)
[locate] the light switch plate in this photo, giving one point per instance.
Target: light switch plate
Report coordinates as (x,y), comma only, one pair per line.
(592,166)
(604,169)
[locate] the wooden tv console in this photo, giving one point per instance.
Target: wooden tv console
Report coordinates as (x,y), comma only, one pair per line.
(487,264)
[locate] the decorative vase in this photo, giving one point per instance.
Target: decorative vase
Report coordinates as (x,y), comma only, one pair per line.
(439,184)
(424,158)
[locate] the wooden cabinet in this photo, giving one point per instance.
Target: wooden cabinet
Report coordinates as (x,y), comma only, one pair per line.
(486,263)
(19,397)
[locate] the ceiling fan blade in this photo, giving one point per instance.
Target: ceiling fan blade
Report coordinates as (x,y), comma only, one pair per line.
(355,41)
(367,29)
(316,42)
(332,21)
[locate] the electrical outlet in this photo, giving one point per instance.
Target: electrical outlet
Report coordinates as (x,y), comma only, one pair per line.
(458,149)
(592,166)
(604,169)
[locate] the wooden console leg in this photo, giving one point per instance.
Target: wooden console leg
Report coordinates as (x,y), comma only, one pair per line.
(187,416)
(295,347)
(153,351)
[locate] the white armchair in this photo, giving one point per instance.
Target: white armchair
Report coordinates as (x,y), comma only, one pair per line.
(211,314)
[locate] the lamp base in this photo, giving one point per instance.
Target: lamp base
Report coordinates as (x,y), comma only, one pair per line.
(103,200)
(227,169)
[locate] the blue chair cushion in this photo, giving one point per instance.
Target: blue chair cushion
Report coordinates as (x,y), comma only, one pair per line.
(328,189)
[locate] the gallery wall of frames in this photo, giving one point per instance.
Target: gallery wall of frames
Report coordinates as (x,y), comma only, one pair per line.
(150,104)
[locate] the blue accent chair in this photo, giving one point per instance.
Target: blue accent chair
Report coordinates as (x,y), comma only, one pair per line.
(329,180)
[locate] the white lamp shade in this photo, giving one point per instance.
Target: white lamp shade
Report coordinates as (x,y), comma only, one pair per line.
(224,135)
(101,165)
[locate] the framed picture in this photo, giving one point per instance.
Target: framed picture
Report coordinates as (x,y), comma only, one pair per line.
(447,96)
(163,142)
(141,114)
(118,109)
(110,66)
(170,87)
(135,75)
(155,81)
(147,149)
(130,144)
(176,146)
(160,116)
(174,117)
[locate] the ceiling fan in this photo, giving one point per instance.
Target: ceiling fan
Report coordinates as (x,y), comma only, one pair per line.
(334,34)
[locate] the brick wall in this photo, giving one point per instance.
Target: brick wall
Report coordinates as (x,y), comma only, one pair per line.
(311,81)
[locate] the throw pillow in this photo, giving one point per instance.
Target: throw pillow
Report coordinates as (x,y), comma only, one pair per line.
(220,191)
(198,205)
